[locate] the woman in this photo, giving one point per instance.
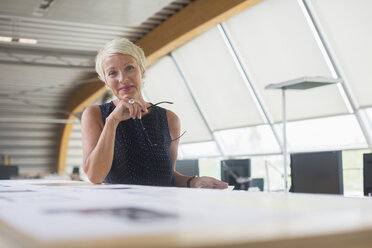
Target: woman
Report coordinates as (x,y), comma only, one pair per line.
(128,140)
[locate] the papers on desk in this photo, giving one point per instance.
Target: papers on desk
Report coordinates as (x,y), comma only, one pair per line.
(60,211)
(230,187)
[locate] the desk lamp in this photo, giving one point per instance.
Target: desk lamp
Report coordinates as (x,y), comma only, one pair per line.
(302,83)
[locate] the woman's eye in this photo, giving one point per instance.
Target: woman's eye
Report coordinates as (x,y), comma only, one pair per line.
(111,73)
(129,68)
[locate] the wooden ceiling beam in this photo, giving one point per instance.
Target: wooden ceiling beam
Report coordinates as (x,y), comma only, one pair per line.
(189,22)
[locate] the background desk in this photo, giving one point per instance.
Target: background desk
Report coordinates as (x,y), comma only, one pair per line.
(41,213)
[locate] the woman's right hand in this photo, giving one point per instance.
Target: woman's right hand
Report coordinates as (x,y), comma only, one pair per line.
(125,110)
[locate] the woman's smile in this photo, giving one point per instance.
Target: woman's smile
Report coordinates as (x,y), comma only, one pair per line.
(126,89)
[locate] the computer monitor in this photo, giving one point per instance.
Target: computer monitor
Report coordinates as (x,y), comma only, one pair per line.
(317,172)
(9,171)
(257,183)
(240,167)
(188,167)
(367,173)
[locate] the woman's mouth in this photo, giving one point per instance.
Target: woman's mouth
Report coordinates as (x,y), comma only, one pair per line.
(126,88)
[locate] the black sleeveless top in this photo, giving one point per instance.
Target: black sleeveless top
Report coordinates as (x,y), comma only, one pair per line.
(140,158)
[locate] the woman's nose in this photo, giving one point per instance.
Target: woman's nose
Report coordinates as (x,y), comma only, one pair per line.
(122,78)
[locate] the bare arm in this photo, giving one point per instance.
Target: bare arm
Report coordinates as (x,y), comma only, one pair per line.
(181,180)
(174,130)
(98,144)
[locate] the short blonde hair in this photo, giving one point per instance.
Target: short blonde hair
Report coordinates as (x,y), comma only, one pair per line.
(119,46)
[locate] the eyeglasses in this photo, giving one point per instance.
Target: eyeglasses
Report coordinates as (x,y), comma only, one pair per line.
(144,129)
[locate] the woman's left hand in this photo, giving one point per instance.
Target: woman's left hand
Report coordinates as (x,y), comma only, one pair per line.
(207,182)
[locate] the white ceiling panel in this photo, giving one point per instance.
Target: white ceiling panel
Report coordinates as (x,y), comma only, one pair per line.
(62,35)
(347,25)
(42,76)
(130,12)
(16,7)
(26,94)
(108,12)
(277,45)
(164,83)
(80,26)
(217,83)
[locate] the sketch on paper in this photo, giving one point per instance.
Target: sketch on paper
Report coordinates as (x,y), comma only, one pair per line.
(124,213)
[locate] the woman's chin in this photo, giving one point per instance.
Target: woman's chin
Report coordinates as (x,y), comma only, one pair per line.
(125,96)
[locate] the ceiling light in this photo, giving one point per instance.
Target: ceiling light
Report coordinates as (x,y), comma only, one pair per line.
(27,41)
(5,39)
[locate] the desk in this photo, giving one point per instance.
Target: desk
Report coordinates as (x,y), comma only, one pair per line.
(44,213)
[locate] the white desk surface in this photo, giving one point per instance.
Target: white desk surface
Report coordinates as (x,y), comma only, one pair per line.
(46,213)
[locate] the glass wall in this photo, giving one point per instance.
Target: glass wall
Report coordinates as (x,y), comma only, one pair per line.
(218,84)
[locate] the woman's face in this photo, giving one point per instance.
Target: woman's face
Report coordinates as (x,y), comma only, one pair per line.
(123,76)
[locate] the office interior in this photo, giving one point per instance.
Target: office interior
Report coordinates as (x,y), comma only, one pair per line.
(213,60)
(216,80)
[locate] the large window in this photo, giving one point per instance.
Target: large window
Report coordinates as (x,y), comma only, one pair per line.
(198,150)
(331,133)
(352,163)
(248,141)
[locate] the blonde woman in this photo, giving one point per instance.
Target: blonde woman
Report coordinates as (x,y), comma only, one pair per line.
(128,140)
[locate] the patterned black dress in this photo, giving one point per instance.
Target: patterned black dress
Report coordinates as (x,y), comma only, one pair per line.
(141,158)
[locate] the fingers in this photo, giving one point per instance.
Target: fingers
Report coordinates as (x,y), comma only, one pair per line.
(122,111)
(209,182)
(220,185)
(133,111)
(142,106)
(136,108)
(126,110)
(138,112)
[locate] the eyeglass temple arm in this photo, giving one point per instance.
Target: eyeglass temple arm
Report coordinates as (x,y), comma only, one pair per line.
(152,105)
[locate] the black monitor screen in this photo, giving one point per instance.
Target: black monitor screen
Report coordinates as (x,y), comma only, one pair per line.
(241,167)
(317,172)
(9,171)
(367,173)
(188,167)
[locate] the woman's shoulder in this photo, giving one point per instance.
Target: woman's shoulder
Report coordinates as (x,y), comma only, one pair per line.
(173,120)
(96,107)
(171,115)
(91,111)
